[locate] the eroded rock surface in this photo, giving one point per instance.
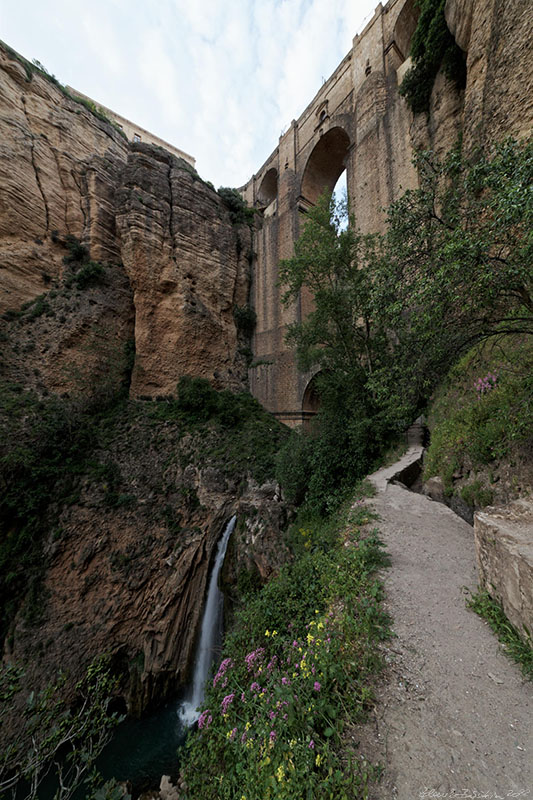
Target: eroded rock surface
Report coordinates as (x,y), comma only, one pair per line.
(139,210)
(504,552)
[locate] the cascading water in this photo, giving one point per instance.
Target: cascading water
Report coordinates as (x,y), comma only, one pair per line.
(209,635)
(144,749)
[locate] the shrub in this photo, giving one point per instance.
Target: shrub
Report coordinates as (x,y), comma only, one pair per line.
(432,46)
(245,320)
(89,275)
(196,396)
(239,212)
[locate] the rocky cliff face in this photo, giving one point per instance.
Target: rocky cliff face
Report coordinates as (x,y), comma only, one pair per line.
(164,234)
(127,555)
(119,266)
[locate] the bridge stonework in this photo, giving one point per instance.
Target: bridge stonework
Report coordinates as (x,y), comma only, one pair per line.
(358,121)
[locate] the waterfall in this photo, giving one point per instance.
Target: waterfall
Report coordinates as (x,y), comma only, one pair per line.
(209,634)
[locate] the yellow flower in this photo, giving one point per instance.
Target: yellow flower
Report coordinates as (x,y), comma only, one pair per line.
(267,633)
(280,773)
(247,726)
(318,759)
(320,626)
(292,743)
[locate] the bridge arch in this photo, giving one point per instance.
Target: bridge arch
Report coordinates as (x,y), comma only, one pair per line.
(310,400)
(325,165)
(268,189)
(405,27)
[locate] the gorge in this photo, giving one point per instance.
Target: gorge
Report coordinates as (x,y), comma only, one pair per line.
(138,305)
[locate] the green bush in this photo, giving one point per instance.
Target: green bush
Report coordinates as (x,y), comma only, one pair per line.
(473,428)
(296,670)
(77,252)
(245,320)
(432,46)
(239,212)
(196,396)
(89,275)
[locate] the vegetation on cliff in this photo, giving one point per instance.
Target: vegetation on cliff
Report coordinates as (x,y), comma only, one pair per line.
(432,48)
(481,421)
(51,448)
(50,730)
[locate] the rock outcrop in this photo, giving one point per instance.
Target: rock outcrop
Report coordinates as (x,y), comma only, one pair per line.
(188,267)
(128,560)
(183,267)
(504,553)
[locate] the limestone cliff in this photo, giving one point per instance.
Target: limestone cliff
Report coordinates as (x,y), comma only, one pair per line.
(120,268)
(165,236)
(125,556)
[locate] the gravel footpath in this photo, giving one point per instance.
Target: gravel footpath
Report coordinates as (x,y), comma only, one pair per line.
(454,716)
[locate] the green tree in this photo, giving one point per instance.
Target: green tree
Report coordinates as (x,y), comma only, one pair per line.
(454,268)
(393,312)
(340,339)
(337,335)
(52,736)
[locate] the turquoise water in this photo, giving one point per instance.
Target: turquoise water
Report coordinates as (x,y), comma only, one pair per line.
(142,750)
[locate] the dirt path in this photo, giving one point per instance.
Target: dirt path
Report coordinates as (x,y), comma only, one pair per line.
(454,716)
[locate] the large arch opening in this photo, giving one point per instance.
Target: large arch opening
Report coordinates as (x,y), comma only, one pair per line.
(268,190)
(310,402)
(405,27)
(325,165)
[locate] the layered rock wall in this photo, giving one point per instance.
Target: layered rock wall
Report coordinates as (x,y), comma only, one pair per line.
(165,235)
(504,553)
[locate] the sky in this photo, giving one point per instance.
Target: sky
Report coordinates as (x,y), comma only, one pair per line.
(220,79)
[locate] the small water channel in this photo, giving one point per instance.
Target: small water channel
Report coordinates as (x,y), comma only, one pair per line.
(143,750)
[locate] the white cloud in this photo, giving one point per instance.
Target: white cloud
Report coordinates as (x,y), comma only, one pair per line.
(217,78)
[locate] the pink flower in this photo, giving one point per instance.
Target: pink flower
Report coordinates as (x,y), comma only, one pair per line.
(311,745)
(232,734)
(255,687)
(255,655)
(225,665)
(227,701)
(285,681)
(272,736)
(317,687)
(205,719)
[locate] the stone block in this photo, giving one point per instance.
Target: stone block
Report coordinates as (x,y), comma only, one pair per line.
(504,552)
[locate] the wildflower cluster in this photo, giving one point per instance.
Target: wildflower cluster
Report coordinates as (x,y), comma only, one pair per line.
(277,707)
(275,714)
(486,384)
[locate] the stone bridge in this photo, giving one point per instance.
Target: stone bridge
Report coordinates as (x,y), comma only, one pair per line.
(357,122)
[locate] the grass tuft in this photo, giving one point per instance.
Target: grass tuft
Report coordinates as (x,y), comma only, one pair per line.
(514,646)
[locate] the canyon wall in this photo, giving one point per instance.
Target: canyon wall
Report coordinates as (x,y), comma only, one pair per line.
(119,269)
(176,264)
